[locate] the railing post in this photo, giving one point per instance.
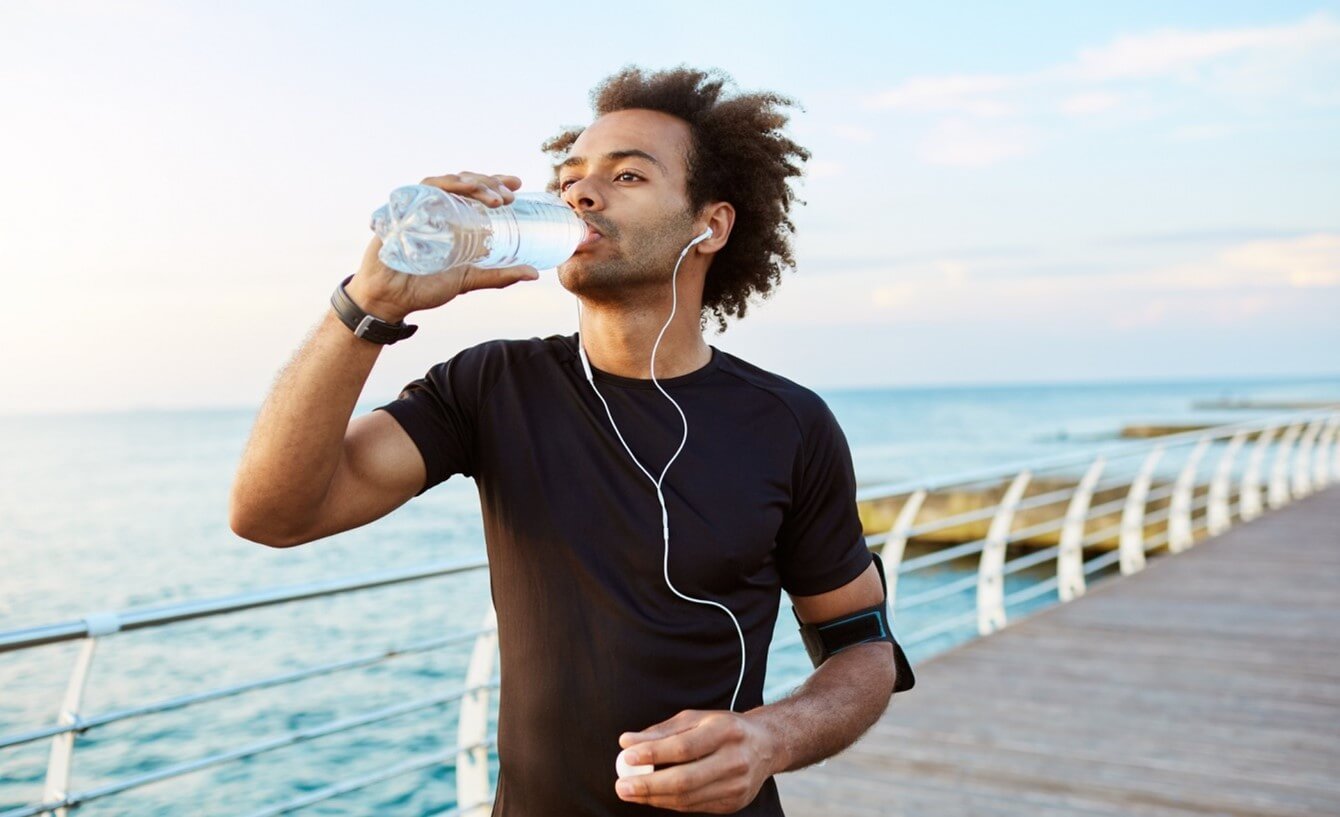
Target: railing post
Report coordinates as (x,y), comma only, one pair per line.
(1302,462)
(1278,496)
(1333,468)
(1335,457)
(61,758)
(1179,515)
(1070,554)
(892,551)
(472,765)
(1321,460)
(1132,543)
(991,572)
(1218,516)
(1249,505)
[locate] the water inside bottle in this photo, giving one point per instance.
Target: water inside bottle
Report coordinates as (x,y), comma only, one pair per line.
(538,230)
(424,231)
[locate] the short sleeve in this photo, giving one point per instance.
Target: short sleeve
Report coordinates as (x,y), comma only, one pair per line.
(440,411)
(821,542)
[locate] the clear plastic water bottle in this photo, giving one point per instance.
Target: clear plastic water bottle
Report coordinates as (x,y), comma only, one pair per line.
(426,230)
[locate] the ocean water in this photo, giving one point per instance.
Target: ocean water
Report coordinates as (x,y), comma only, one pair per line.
(117,510)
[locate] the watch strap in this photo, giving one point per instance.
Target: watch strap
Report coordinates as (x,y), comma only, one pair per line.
(368,327)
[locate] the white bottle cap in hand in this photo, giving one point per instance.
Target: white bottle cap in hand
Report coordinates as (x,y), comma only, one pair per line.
(624,769)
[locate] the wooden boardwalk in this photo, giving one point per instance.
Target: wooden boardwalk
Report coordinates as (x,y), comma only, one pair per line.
(1209,684)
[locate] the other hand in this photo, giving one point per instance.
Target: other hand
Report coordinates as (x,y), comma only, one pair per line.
(720,761)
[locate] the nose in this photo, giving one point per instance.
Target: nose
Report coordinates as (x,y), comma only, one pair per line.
(583,195)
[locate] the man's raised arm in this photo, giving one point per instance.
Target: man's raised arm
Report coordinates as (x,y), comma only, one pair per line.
(308,471)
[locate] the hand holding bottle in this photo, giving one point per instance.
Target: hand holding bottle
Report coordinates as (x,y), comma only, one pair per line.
(391,295)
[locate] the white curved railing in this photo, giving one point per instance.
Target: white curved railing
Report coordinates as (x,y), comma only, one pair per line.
(1306,458)
(1306,449)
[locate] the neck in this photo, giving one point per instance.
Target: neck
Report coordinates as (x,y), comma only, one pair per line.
(619,338)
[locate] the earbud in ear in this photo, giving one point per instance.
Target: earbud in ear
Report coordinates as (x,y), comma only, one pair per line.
(698,239)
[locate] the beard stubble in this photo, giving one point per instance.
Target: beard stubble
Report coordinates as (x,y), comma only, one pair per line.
(638,271)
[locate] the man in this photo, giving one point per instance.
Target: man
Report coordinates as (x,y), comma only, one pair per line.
(594,580)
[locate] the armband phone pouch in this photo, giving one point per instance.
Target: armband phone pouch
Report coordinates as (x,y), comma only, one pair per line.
(825,638)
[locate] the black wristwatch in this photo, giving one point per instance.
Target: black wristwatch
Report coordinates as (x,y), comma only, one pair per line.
(363,325)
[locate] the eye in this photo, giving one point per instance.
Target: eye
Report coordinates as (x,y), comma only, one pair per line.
(628,173)
(563,185)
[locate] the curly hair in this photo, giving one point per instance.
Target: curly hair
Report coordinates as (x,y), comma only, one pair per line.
(737,153)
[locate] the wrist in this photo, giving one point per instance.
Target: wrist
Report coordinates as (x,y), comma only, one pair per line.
(379,308)
(772,737)
(365,324)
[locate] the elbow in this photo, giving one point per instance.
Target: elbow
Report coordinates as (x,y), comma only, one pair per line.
(888,664)
(256,525)
(877,669)
(247,528)
(880,670)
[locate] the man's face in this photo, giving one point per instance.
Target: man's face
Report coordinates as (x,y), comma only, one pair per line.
(626,176)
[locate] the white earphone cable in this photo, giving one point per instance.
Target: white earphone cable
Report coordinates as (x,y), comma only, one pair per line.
(665,517)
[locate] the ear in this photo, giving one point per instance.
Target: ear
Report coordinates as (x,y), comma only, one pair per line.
(720,217)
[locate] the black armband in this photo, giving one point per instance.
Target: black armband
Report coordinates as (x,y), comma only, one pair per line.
(826,638)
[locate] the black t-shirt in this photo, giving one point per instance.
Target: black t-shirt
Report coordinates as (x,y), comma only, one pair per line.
(593,643)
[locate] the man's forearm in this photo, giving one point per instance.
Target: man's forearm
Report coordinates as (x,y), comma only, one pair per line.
(835,706)
(297,445)
(298,436)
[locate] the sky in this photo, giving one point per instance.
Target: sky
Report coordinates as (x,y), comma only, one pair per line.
(1024,192)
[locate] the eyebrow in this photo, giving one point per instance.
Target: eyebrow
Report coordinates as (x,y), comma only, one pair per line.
(612,156)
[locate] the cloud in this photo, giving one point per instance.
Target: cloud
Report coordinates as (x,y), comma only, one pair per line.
(1201,236)
(965,143)
(1248,64)
(1177,53)
(894,296)
(1305,262)
(853,133)
(969,94)
(1310,261)
(1202,132)
(1257,279)
(981,255)
(1151,313)
(955,273)
(824,169)
(1234,309)
(1217,310)
(1090,102)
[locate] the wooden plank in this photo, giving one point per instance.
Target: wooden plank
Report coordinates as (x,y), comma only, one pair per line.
(859,793)
(1207,684)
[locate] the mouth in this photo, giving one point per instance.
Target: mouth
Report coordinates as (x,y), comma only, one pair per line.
(592,236)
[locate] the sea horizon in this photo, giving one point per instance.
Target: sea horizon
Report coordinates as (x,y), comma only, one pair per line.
(364,403)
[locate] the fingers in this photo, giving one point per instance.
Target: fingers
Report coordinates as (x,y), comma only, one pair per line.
(722,777)
(473,278)
(686,737)
(704,763)
(725,796)
(686,719)
(495,191)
